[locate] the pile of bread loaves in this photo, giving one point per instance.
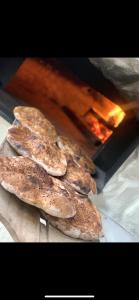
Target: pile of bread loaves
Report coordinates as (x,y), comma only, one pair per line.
(51,173)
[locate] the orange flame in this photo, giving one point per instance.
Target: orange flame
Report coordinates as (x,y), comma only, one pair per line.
(113,117)
(97,128)
(116,116)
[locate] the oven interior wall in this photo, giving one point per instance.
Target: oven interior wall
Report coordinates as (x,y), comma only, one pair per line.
(59,100)
(67,99)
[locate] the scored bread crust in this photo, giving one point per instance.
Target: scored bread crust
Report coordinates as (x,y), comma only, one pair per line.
(78,178)
(78,154)
(31,183)
(85,225)
(34,119)
(46,154)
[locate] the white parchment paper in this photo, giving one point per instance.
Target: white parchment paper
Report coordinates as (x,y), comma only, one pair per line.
(120,197)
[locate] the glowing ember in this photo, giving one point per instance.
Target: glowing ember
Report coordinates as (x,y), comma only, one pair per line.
(107,110)
(97,128)
(116,116)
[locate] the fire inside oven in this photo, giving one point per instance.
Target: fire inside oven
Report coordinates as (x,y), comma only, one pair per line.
(102,122)
(92,113)
(77,111)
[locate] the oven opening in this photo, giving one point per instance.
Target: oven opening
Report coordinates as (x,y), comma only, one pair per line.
(76,109)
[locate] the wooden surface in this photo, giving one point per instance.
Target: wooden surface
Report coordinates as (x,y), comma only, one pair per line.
(21,220)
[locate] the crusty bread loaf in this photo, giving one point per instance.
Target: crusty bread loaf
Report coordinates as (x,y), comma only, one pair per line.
(78,154)
(79,178)
(86,224)
(46,154)
(31,183)
(33,119)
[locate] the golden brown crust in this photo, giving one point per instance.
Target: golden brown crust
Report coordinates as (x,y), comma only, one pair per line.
(79,178)
(46,154)
(31,183)
(33,119)
(86,224)
(79,155)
